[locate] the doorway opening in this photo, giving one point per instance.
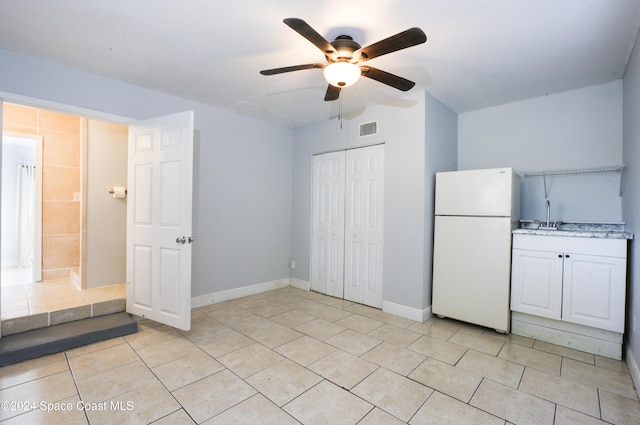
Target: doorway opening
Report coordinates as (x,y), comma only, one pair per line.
(50,272)
(21,211)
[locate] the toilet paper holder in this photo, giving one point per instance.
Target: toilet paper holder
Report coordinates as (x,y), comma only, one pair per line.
(112,191)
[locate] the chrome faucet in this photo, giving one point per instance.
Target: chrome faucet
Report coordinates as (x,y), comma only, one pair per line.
(547,205)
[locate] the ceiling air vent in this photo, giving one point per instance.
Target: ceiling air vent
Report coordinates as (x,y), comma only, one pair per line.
(369,128)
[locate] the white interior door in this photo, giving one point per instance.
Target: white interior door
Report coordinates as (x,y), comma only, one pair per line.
(327,232)
(159,219)
(364,225)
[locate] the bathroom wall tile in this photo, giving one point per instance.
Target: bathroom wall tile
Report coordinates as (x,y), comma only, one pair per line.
(58,121)
(61,251)
(13,128)
(59,183)
(55,274)
(18,115)
(61,149)
(60,217)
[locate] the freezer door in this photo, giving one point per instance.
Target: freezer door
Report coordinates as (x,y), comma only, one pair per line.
(477,192)
(472,269)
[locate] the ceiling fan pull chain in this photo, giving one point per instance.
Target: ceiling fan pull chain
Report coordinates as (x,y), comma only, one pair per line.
(340,112)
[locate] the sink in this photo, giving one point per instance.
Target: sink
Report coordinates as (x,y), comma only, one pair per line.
(542,225)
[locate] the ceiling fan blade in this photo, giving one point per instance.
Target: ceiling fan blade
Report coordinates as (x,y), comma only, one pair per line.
(408,38)
(333,93)
(387,78)
(305,30)
(292,68)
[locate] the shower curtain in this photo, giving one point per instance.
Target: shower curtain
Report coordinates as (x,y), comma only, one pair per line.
(26,195)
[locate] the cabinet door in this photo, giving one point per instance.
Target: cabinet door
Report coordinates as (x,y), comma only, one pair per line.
(536,283)
(594,291)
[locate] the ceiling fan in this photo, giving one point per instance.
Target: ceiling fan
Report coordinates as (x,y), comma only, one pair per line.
(344,56)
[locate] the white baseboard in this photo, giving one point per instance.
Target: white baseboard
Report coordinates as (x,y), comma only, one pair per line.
(230,294)
(634,369)
(410,313)
(300,284)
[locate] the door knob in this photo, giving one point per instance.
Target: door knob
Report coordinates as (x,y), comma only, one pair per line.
(181,240)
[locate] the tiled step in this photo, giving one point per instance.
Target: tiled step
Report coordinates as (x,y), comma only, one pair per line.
(20,324)
(53,339)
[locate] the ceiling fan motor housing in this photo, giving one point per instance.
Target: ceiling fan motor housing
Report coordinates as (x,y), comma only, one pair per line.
(344,47)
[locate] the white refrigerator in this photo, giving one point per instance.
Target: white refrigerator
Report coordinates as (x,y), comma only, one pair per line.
(475,211)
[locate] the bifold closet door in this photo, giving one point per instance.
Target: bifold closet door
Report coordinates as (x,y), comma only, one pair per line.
(347,224)
(327,233)
(364,192)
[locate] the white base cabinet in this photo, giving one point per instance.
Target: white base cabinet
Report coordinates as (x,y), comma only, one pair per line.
(570,279)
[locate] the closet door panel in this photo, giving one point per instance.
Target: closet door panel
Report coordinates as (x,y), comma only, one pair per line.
(364,225)
(327,233)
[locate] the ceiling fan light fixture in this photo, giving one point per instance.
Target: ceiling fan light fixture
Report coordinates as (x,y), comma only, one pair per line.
(342,74)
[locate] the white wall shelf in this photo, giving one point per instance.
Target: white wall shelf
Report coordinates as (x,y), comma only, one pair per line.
(576,171)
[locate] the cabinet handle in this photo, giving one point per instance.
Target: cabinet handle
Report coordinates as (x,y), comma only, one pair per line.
(566,256)
(559,255)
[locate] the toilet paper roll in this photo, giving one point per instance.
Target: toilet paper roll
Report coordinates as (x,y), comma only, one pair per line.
(119,192)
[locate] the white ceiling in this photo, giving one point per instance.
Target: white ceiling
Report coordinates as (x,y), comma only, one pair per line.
(479,53)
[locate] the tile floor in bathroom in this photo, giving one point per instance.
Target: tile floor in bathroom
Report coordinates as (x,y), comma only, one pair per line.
(20,297)
(290,356)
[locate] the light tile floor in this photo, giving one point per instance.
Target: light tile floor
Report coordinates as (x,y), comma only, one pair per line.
(20,297)
(289,356)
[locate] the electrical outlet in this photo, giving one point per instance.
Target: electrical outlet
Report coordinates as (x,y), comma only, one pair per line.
(293,264)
